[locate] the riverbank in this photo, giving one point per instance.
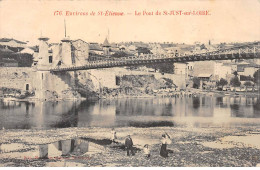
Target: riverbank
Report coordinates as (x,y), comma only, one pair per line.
(191,92)
(208,146)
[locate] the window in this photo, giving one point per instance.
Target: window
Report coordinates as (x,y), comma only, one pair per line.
(117,80)
(27,87)
(50,59)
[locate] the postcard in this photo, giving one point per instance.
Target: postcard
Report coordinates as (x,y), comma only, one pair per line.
(129,83)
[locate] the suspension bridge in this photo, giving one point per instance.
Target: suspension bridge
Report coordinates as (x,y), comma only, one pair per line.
(246,51)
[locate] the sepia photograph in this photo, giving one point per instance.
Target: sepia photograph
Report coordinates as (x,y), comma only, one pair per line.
(129,83)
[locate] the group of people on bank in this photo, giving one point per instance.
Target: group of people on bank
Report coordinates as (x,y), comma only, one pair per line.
(166,139)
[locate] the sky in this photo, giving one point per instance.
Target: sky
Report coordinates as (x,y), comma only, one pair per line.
(229,21)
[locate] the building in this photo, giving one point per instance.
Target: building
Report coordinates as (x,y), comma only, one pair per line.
(157,49)
(190,67)
(222,71)
(94,48)
(246,69)
(73,52)
(132,49)
(6,50)
(115,47)
(27,50)
(181,69)
(205,77)
(216,69)
(10,42)
(80,52)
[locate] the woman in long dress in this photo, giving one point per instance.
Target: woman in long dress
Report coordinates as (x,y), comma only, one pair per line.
(165,140)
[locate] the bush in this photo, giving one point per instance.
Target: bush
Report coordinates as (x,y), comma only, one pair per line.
(196,82)
(235,82)
(222,82)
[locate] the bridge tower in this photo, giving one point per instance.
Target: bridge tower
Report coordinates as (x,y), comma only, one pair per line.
(43,56)
(49,85)
(66,52)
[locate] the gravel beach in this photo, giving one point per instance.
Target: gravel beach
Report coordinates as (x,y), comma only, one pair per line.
(191,147)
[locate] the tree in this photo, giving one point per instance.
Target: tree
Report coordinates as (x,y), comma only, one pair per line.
(203,47)
(235,82)
(162,67)
(235,73)
(143,50)
(257,77)
(119,54)
(196,82)
(248,84)
(222,83)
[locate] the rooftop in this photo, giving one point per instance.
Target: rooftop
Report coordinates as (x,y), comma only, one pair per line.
(11,39)
(106,43)
(95,47)
(204,75)
(6,50)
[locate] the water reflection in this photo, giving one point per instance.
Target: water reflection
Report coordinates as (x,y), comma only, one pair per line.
(125,112)
(58,150)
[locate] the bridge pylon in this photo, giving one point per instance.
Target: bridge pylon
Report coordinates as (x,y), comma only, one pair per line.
(50,85)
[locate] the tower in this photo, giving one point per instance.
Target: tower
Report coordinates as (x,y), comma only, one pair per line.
(66,52)
(43,55)
(106,47)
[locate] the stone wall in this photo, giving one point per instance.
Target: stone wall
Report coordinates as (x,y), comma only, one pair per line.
(55,86)
(17,77)
(46,85)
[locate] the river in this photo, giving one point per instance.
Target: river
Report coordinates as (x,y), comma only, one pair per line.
(202,111)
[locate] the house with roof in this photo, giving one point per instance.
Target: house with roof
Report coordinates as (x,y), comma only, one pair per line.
(157,49)
(27,50)
(10,42)
(204,76)
(114,47)
(95,48)
(216,69)
(246,69)
(6,50)
(180,49)
(122,47)
(132,48)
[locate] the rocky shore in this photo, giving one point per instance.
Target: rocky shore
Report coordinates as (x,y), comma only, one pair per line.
(205,146)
